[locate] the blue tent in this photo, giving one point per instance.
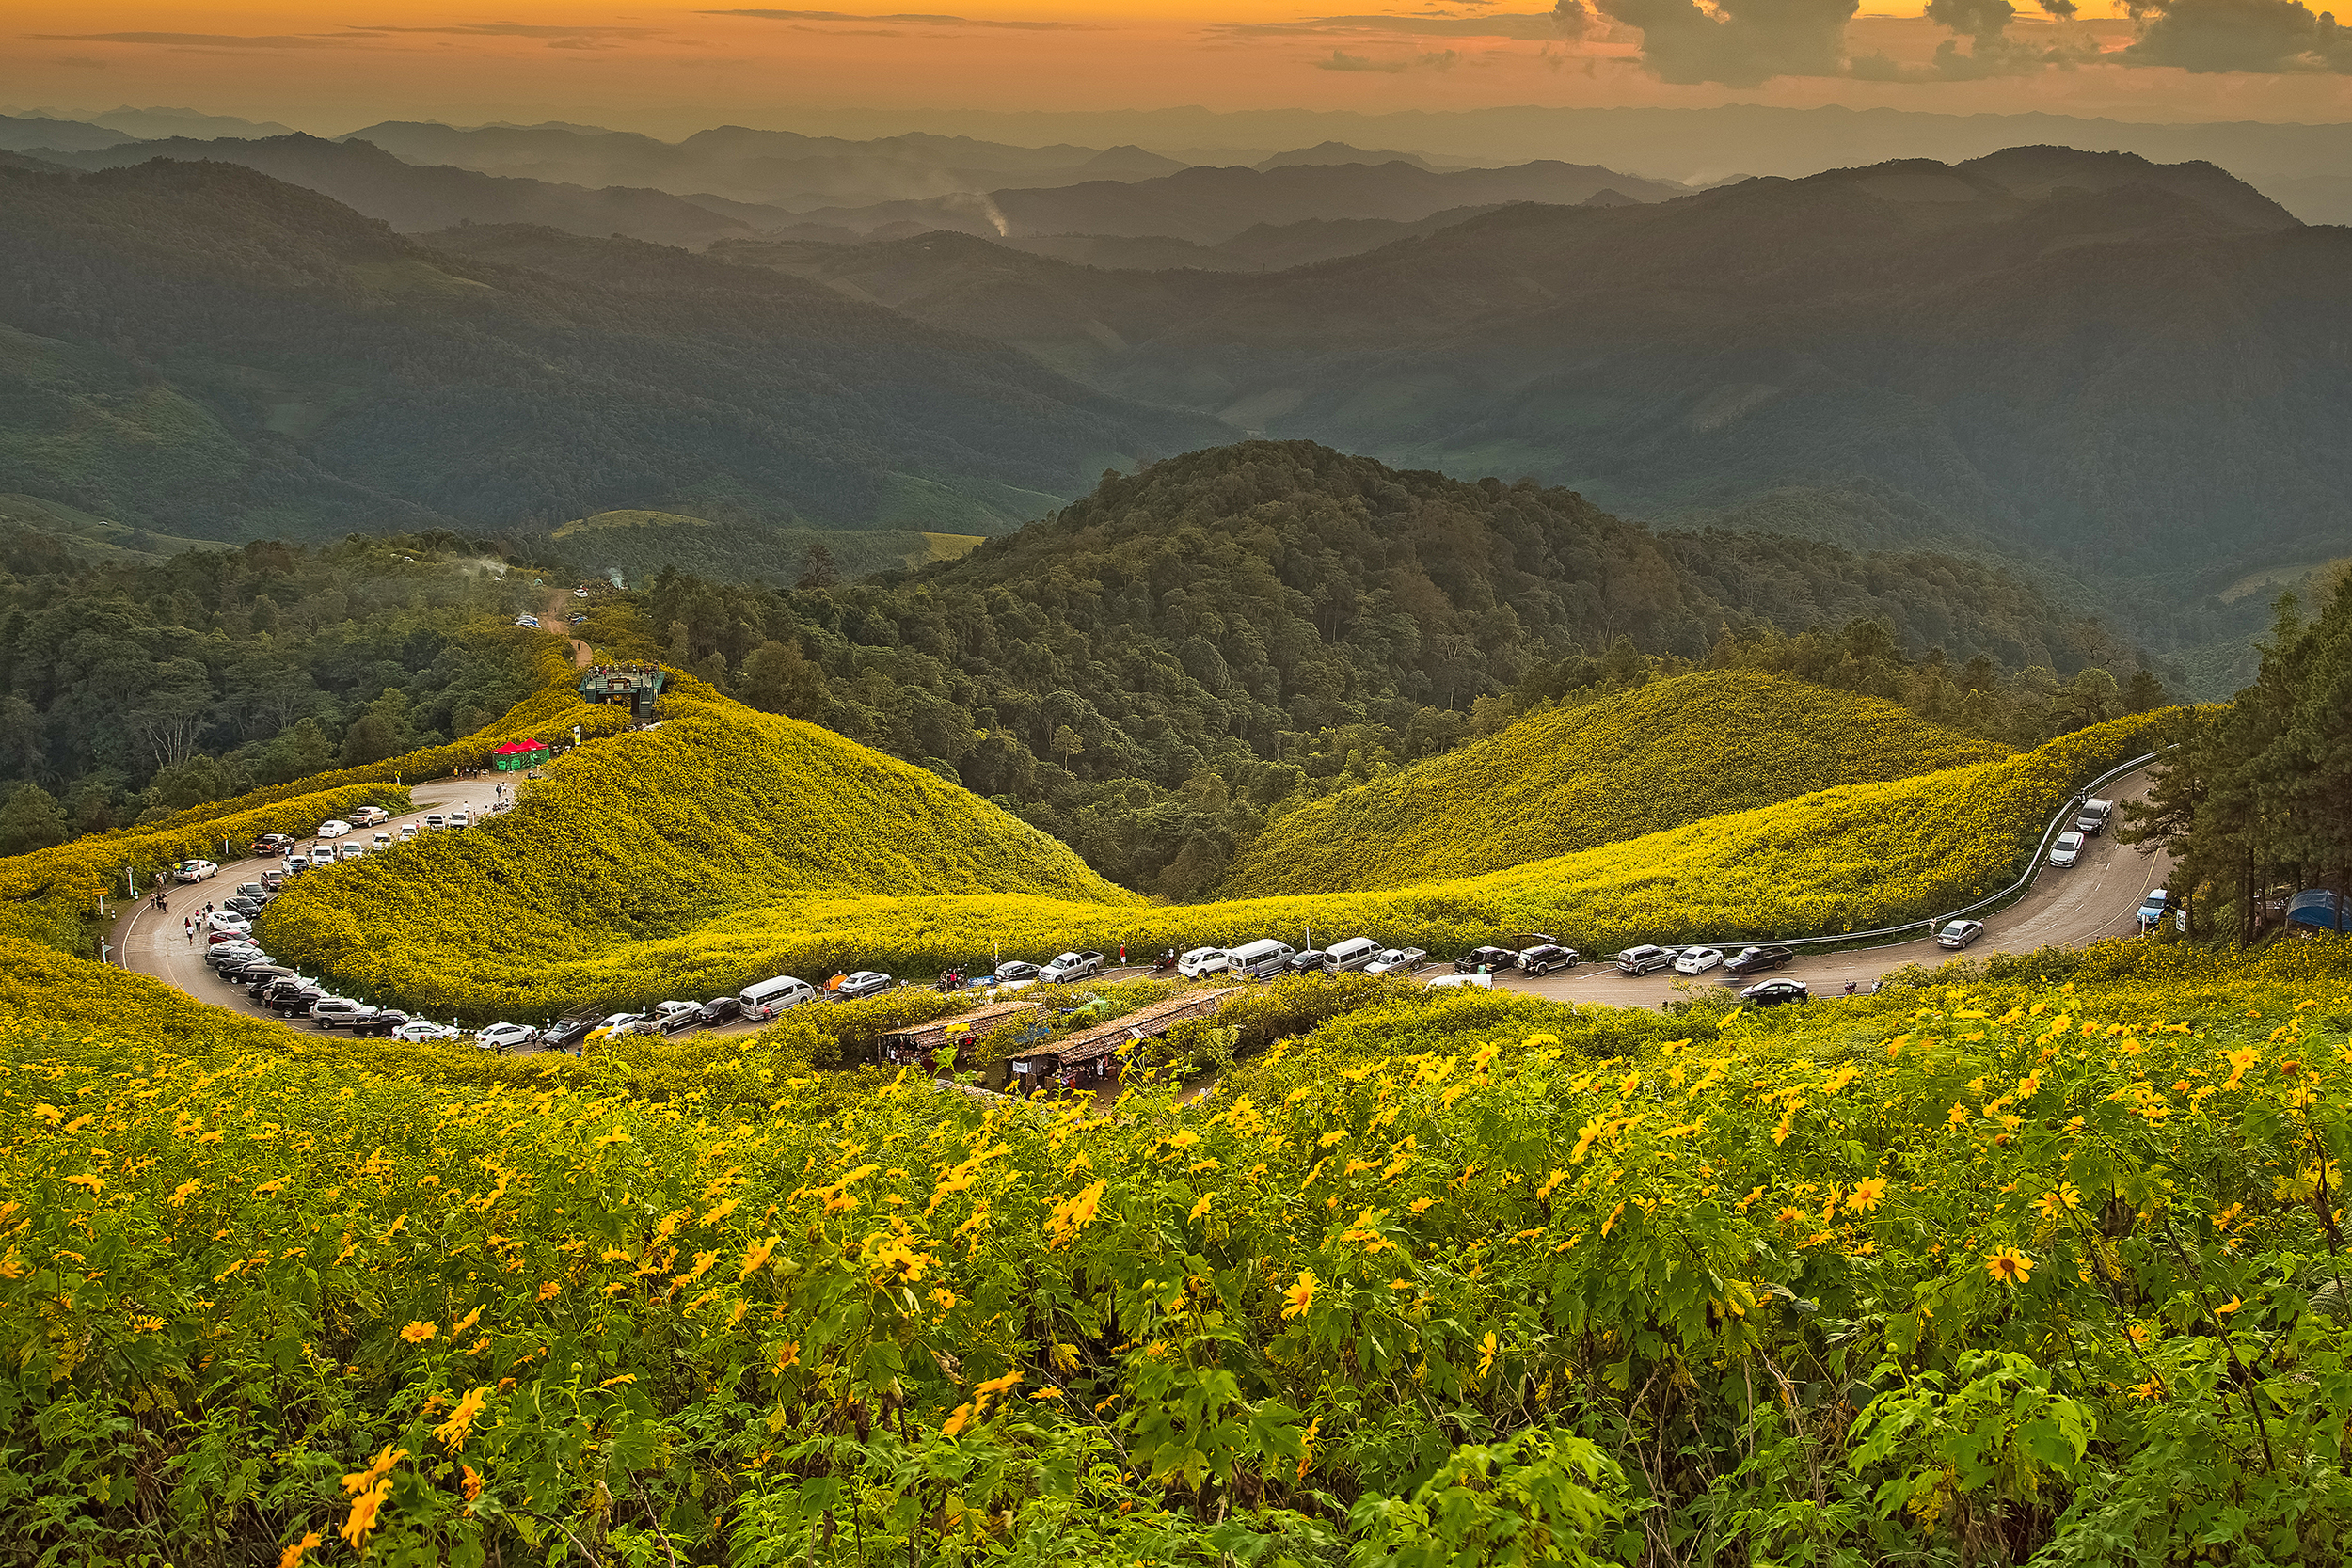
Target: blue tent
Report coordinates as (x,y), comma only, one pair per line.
(2321,910)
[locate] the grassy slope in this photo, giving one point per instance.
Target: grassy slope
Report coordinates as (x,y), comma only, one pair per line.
(1654,757)
(614,868)
(1563,1237)
(729,845)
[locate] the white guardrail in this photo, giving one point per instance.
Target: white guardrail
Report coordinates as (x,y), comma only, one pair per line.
(2040,859)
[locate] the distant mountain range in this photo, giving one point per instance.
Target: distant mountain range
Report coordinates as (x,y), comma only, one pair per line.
(2137,370)
(198,350)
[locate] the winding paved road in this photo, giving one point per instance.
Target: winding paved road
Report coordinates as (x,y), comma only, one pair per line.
(2098,897)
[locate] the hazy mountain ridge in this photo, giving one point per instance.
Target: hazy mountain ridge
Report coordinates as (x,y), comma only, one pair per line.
(2132,367)
(201,350)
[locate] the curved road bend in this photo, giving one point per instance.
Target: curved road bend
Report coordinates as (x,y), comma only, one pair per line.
(2099,897)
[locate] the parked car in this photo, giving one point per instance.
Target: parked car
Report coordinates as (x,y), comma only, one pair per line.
(504,1037)
(1698,961)
(2067,850)
(334,826)
(1017,970)
(271,845)
(764,999)
(863,982)
(719,1009)
(1756,960)
(434,819)
(253,974)
(194,871)
(274,878)
(229,920)
(580,593)
(671,1017)
(2103,810)
(232,954)
(1397,960)
(321,854)
(2154,908)
(249,907)
(329,1012)
(369,816)
(1642,960)
(1484,960)
(531,621)
(1548,957)
(421,1029)
(2089,826)
(1772,993)
(1261,959)
(255,891)
(1959,934)
(1345,957)
(1204,961)
(1315,960)
(407,832)
(350,849)
(1447,982)
(292,998)
(380,842)
(461,819)
(380,1023)
(1072,966)
(613,1026)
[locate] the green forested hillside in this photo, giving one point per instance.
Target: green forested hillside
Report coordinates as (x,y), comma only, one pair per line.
(1145,674)
(197,349)
(1656,756)
(131,687)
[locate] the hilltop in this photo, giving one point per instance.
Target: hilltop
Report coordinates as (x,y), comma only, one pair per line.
(1656,756)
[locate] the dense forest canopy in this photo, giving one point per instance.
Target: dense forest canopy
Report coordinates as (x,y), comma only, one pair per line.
(143,689)
(1150,672)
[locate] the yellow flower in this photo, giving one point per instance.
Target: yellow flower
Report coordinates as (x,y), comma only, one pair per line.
(957,1421)
(1867,1193)
(1420,1205)
(92,1182)
(292,1557)
(1073,1214)
(453,1431)
(1198,1209)
(550,1291)
(364,1508)
(2009,1265)
(1300,1296)
(998,1385)
(2228,1307)
(180,1197)
(417,1333)
(756,1256)
(1486,1353)
(2058,1200)
(791,1355)
(380,1466)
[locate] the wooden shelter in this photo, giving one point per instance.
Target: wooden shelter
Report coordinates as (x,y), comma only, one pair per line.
(918,1043)
(1085,1056)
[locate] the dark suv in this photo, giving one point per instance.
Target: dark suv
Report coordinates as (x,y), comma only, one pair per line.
(1756,960)
(1543,960)
(1490,958)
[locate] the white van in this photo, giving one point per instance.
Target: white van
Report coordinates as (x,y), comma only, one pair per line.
(764,999)
(1262,958)
(1354,953)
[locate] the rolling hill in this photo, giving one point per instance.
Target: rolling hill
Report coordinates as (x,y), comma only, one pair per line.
(416,200)
(2124,367)
(200,350)
(1656,756)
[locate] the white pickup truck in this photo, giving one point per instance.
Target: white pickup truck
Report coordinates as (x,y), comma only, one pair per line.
(1072,966)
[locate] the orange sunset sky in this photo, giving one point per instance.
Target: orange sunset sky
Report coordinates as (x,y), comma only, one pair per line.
(670,71)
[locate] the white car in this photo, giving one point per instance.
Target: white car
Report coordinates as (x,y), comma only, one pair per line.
(369,816)
(1452,982)
(1396,961)
(230,921)
(580,593)
(408,833)
(380,842)
(1959,934)
(418,1029)
(461,819)
(504,1037)
(531,621)
(2067,850)
(194,871)
(334,826)
(1204,961)
(1698,961)
(671,1016)
(321,854)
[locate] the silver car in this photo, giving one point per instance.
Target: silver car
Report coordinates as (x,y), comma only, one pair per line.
(1959,934)
(2067,850)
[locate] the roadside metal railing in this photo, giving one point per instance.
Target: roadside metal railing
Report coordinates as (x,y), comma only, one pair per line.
(1928,924)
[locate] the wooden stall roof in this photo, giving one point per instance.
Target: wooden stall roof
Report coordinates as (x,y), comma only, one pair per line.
(1103,1039)
(931,1035)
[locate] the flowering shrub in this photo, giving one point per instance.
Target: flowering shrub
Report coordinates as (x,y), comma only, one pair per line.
(1978,1270)
(729,846)
(1656,756)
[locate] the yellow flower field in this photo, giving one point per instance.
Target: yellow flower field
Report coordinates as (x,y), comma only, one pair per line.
(1637,762)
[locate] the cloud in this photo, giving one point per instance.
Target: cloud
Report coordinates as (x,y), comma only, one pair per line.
(78,62)
(192,40)
(2261,36)
(923,21)
(517,29)
(1567,20)
(1738,44)
(1340,59)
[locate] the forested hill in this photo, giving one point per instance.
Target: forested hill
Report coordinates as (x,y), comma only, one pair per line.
(204,351)
(1147,672)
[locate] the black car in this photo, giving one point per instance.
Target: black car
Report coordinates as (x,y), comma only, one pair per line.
(566,1034)
(1772,993)
(720,1008)
(1756,960)
(269,845)
(249,907)
(1312,961)
(1490,958)
(245,973)
(381,1022)
(1551,955)
(1016,970)
(258,977)
(297,1001)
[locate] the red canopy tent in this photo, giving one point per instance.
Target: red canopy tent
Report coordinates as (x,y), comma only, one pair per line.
(519,753)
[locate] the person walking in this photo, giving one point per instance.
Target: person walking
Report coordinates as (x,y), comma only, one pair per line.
(189,925)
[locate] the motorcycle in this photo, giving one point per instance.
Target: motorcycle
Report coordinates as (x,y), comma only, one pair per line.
(1165,963)
(951,981)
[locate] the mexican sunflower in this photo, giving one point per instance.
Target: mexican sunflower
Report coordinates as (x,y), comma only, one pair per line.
(2008,1265)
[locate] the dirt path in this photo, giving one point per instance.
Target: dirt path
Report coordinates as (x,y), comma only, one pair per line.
(2100,896)
(554,619)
